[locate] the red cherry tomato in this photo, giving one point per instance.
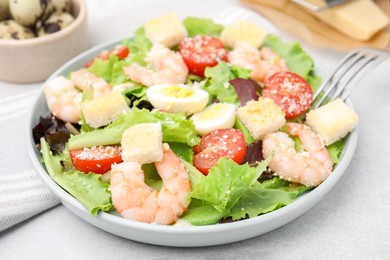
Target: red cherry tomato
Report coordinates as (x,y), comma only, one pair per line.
(120,51)
(291,92)
(97,159)
(89,63)
(229,143)
(200,52)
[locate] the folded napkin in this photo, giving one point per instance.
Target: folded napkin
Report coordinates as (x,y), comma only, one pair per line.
(22,193)
(302,23)
(23,196)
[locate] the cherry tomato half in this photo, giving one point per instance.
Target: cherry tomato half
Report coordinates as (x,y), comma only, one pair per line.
(97,159)
(290,91)
(229,143)
(120,51)
(200,52)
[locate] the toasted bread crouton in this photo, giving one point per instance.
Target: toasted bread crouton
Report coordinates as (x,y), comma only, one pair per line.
(104,110)
(332,121)
(261,117)
(243,31)
(142,143)
(166,30)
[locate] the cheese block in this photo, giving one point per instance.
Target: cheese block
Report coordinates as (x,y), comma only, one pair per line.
(332,121)
(243,31)
(104,110)
(261,117)
(142,143)
(358,19)
(166,30)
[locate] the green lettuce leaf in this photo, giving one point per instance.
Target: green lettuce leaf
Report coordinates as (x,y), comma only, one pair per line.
(257,200)
(194,174)
(151,176)
(184,151)
(87,95)
(200,213)
(92,193)
(110,70)
(335,150)
(136,96)
(175,128)
(277,183)
(226,182)
(247,135)
(217,84)
(139,47)
(268,196)
(202,26)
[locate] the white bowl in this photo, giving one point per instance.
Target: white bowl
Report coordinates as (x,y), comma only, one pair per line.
(182,236)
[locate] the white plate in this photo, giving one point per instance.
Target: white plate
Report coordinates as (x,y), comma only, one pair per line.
(185,236)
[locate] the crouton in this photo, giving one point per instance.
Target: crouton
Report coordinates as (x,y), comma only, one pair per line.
(142,143)
(166,30)
(243,31)
(332,121)
(261,117)
(104,110)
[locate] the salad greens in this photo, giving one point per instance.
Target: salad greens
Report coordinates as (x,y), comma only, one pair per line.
(110,70)
(247,135)
(217,84)
(202,26)
(175,127)
(139,46)
(226,182)
(92,193)
(229,190)
(335,150)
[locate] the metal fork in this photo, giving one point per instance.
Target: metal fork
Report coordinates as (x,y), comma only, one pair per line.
(318,6)
(351,68)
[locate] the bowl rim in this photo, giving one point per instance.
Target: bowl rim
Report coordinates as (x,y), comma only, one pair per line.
(81,17)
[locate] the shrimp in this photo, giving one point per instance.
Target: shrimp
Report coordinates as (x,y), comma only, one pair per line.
(64,96)
(83,78)
(310,167)
(63,99)
(135,200)
(262,63)
(167,67)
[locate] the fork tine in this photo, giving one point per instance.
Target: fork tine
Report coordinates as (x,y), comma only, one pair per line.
(347,74)
(354,68)
(351,56)
(344,90)
(331,85)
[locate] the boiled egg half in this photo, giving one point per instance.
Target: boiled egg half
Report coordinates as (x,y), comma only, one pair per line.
(213,117)
(177,98)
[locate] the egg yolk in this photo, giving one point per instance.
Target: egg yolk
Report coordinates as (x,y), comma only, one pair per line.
(177,91)
(214,112)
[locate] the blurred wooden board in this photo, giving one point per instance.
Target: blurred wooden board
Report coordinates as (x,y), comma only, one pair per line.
(298,21)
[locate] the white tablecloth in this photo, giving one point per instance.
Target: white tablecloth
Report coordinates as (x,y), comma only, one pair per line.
(351,222)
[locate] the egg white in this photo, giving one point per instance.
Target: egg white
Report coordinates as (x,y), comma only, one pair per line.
(177,98)
(213,117)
